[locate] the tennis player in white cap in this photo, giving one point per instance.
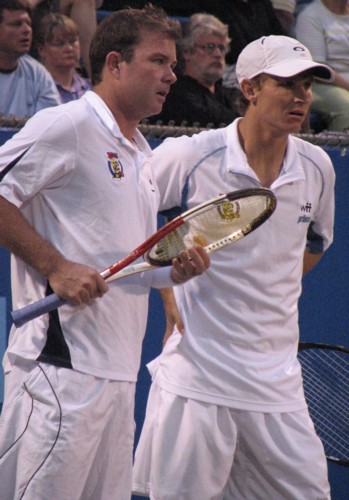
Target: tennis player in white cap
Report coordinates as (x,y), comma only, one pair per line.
(226,417)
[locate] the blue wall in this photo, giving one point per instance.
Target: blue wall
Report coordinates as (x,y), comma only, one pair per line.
(324,305)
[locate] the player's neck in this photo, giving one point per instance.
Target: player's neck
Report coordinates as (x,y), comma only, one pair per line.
(265,153)
(126,124)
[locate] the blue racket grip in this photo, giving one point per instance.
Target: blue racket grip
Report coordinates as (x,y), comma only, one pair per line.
(42,306)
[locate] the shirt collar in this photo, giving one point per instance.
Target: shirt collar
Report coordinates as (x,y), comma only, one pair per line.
(237,160)
(108,120)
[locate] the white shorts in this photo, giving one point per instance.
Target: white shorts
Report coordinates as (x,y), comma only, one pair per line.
(65,435)
(190,450)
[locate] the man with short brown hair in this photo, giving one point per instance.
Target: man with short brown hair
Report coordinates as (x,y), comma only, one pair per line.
(67,425)
(25,85)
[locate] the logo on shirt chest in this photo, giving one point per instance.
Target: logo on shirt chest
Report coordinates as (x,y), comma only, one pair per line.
(115,166)
(305,213)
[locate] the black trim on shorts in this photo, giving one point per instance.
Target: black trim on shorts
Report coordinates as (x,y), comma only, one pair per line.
(56,351)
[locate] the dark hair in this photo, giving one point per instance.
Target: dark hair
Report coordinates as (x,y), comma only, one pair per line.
(45,29)
(122,30)
(13,5)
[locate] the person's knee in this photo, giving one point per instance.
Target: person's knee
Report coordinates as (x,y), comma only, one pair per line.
(332,104)
(339,122)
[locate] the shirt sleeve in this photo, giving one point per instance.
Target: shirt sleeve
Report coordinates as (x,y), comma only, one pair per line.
(28,164)
(47,92)
(320,232)
(171,162)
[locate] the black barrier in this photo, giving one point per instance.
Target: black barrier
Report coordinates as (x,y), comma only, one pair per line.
(324,311)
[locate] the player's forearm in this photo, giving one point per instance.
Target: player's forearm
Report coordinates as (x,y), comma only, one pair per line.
(171,312)
(21,239)
(310,260)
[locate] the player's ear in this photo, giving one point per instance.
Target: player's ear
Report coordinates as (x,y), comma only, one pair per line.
(112,63)
(249,88)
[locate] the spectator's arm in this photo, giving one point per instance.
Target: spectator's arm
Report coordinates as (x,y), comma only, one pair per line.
(47,93)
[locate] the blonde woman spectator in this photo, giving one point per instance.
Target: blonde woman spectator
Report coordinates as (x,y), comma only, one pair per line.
(83,12)
(58,46)
(323,26)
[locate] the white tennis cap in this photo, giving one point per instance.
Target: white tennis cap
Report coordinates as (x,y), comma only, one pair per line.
(278,56)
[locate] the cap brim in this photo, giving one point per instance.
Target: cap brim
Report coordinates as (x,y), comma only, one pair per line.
(291,67)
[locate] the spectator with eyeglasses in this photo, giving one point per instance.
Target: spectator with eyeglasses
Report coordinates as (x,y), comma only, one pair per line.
(58,46)
(198,96)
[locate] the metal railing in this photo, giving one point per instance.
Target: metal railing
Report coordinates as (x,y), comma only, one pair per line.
(161,131)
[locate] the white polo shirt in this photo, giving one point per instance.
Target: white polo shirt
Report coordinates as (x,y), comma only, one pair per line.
(239,347)
(90,192)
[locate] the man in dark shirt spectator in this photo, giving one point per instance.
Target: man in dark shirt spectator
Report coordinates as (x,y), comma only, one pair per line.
(198,96)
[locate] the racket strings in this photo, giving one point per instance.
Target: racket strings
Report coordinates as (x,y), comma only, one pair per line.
(326,383)
(213,227)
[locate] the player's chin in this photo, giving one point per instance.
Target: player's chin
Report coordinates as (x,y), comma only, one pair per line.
(155,109)
(295,129)
(294,123)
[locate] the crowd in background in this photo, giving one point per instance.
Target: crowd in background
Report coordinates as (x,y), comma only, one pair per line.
(57,35)
(227,60)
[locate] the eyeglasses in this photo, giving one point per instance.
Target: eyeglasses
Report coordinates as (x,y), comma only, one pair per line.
(209,48)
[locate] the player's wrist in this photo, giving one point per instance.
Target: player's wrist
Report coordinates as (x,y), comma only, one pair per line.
(177,278)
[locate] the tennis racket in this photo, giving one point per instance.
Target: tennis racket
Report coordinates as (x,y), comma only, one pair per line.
(325,371)
(213,224)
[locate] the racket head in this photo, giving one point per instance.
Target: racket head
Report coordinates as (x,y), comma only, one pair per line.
(215,224)
(325,370)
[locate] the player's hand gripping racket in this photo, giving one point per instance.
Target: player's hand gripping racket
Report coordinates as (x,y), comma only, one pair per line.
(213,224)
(325,371)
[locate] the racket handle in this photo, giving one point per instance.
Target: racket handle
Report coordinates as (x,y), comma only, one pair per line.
(42,306)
